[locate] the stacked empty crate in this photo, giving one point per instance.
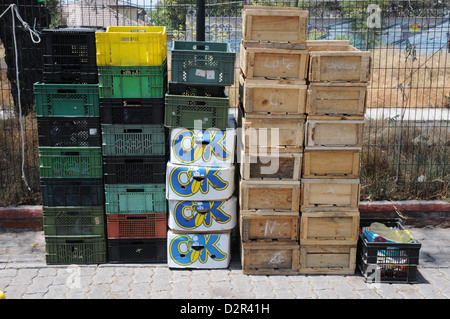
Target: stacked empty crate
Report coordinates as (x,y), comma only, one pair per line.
(132,71)
(200,173)
(338,78)
(67,109)
(273,91)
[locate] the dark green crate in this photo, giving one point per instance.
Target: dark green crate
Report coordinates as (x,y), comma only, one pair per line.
(74,221)
(135,198)
(133,140)
(199,62)
(71,162)
(191,106)
(68,250)
(68,100)
(132,81)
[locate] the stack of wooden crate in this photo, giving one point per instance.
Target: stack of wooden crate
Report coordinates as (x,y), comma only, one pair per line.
(273,62)
(338,79)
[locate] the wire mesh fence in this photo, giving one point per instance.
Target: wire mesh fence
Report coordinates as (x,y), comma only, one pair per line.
(406,151)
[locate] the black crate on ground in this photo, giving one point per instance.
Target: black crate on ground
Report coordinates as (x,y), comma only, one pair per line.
(132,111)
(66,250)
(152,250)
(134,169)
(387,262)
(69,131)
(72,192)
(70,55)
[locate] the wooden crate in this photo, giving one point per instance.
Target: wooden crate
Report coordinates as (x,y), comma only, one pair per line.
(265,195)
(283,132)
(274,258)
(269,226)
(273,63)
(327,259)
(334,131)
(337,99)
(337,61)
(329,228)
(331,163)
(270,164)
(331,192)
(261,96)
(274,24)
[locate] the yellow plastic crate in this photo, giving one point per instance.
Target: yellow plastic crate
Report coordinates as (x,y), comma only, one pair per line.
(131,46)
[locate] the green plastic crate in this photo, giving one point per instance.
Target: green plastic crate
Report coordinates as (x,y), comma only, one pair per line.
(132,81)
(199,62)
(135,199)
(125,139)
(65,250)
(71,162)
(68,100)
(185,106)
(74,221)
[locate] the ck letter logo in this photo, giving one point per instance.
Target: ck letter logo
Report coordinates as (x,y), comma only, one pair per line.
(186,182)
(190,215)
(186,251)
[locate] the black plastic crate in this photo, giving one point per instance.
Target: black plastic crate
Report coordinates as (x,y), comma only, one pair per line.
(387,261)
(72,192)
(132,111)
(152,250)
(196,90)
(73,131)
(70,55)
(134,169)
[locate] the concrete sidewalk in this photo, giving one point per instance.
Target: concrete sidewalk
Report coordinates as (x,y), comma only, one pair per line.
(25,275)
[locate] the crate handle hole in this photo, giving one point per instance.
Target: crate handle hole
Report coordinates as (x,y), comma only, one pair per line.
(199,178)
(70,153)
(73,213)
(197,248)
(135,190)
(203,211)
(132,103)
(200,47)
(132,130)
(136,217)
(66,91)
(202,143)
(134,160)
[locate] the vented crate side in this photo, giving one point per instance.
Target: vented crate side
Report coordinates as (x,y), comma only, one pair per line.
(133,140)
(68,100)
(387,261)
(132,111)
(188,111)
(137,250)
(132,81)
(196,90)
(72,131)
(74,221)
(65,250)
(135,198)
(70,162)
(202,63)
(72,192)
(134,169)
(125,226)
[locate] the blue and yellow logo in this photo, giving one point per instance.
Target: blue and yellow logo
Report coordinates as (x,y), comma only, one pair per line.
(186,181)
(185,250)
(189,146)
(191,215)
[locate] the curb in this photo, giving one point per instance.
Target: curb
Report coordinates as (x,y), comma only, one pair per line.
(414,212)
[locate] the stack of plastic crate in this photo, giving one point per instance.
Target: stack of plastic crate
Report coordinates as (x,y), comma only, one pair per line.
(132,71)
(200,174)
(67,110)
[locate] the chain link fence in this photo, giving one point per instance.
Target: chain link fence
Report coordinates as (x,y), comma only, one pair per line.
(406,151)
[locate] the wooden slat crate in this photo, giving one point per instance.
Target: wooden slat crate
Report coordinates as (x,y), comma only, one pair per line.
(283,132)
(274,24)
(331,163)
(270,259)
(338,61)
(265,97)
(334,131)
(273,63)
(337,99)
(327,259)
(329,228)
(269,226)
(269,195)
(330,192)
(270,164)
